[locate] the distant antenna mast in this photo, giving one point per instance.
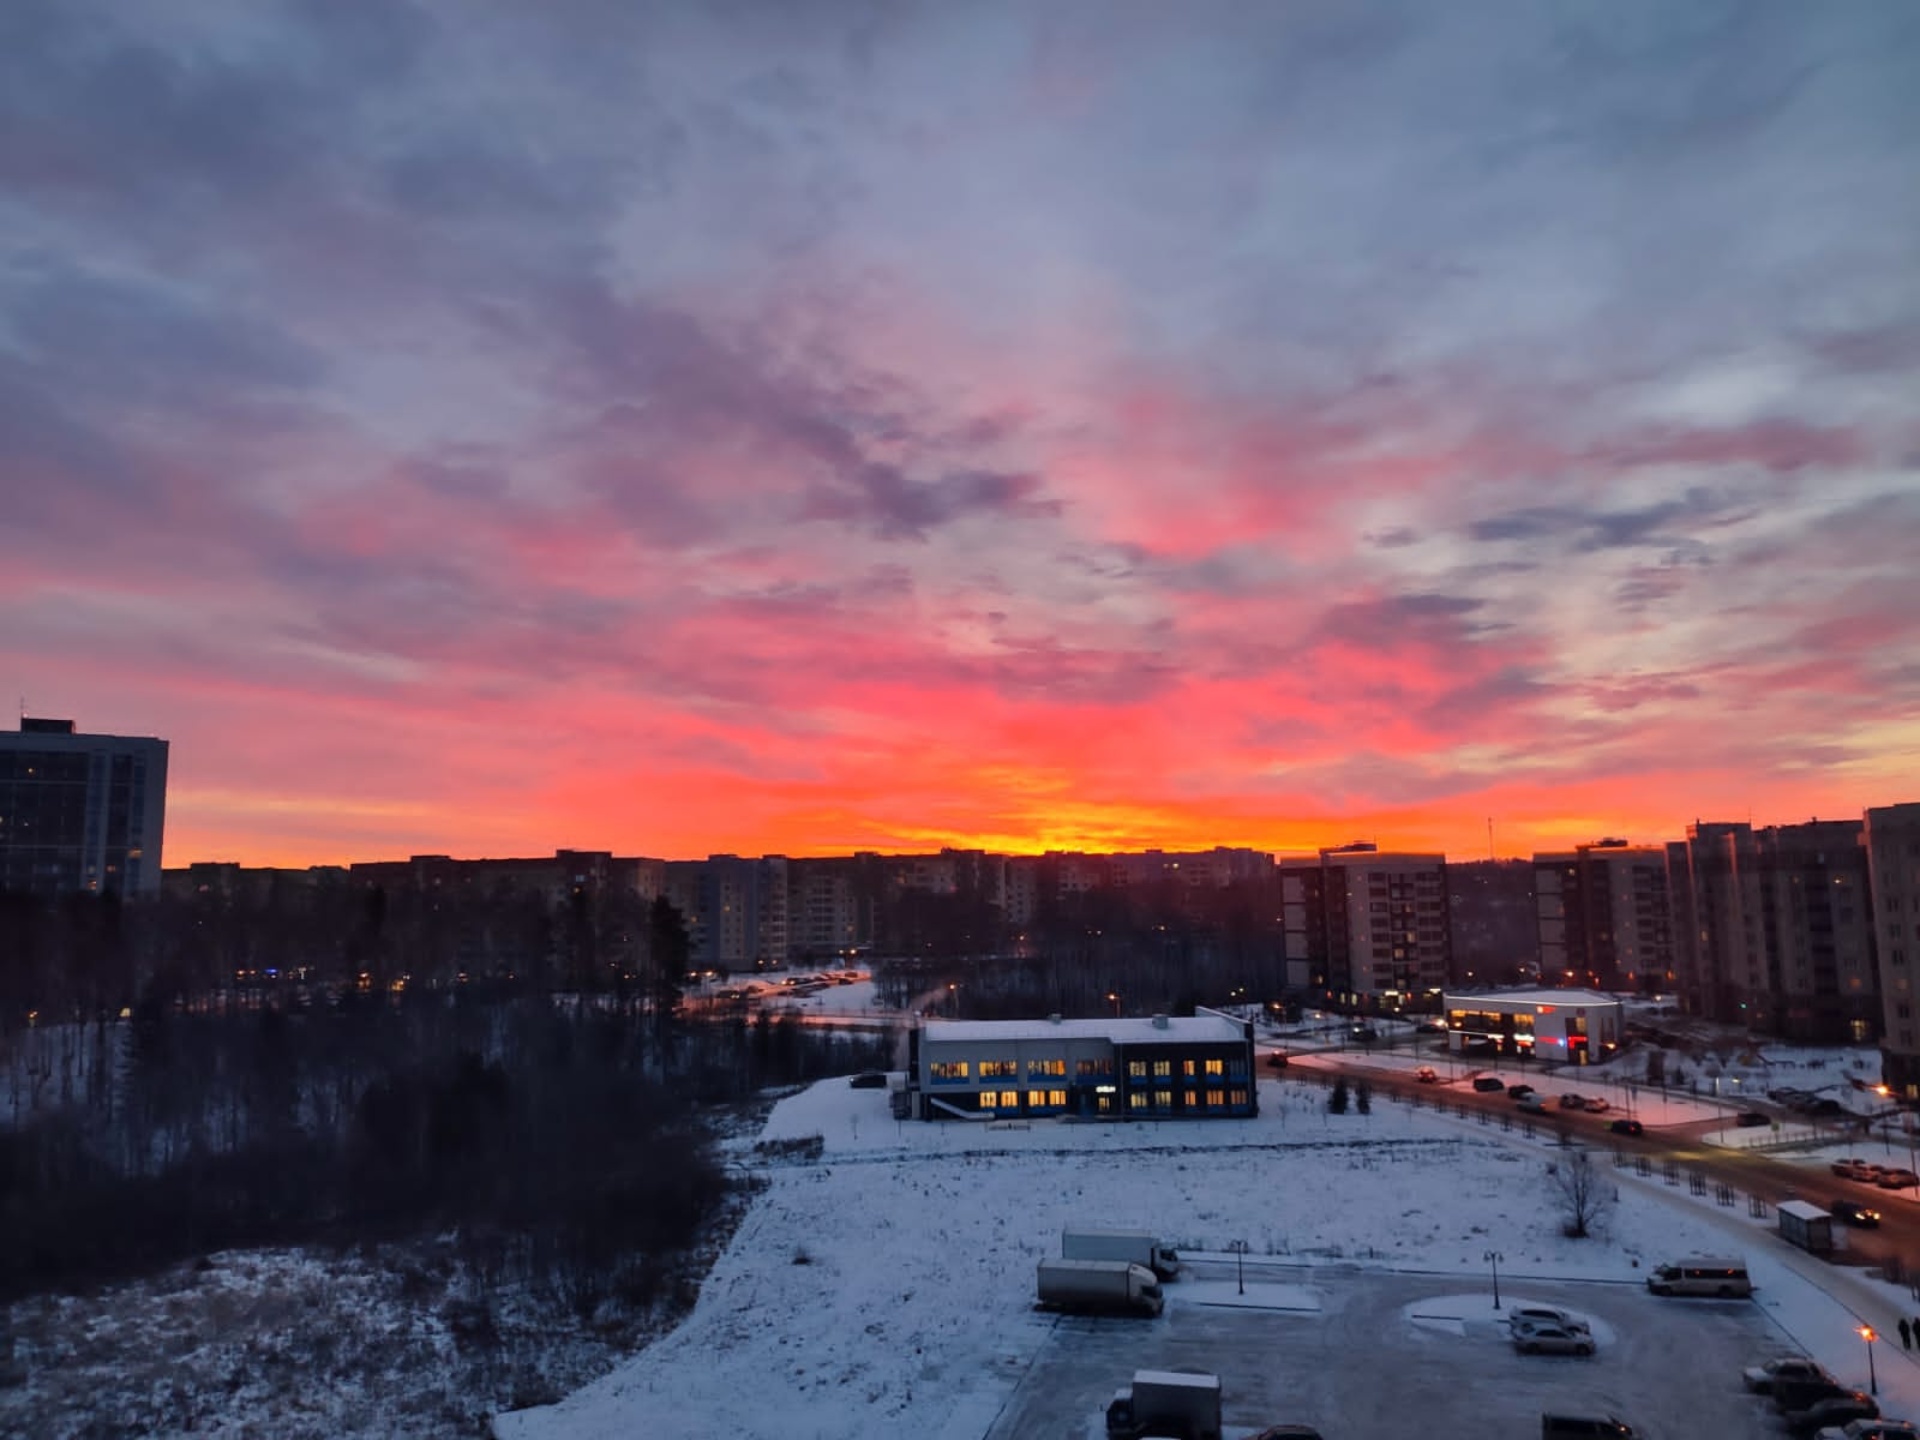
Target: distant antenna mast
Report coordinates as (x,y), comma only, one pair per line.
(1490,854)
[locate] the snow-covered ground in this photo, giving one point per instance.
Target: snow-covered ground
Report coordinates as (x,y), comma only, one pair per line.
(887,1289)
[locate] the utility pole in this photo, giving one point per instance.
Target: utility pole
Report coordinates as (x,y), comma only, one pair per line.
(1490,854)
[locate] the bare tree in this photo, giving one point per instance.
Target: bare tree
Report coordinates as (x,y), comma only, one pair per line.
(1581,1193)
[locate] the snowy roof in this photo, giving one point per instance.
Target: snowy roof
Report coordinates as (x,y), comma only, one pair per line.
(1171,1029)
(1535,997)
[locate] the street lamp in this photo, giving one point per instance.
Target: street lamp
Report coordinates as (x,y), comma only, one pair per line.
(1869,1334)
(1114,1000)
(1493,1258)
(1239,1249)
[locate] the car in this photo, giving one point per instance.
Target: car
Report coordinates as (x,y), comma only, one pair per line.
(1551,1340)
(1429,1027)
(1858,1216)
(1833,1412)
(1624,1126)
(1869,1430)
(1760,1378)
(1896,1179)
(1571,1101)
(1525,1315)
(1749,1118)
(1851,1169)
(1786,1095)
(1365,1034)
(1531,1105)
(868,1080)
(1277,1061)
(1799,1392)
(1597,1106)
(1486,1083)
(1826,1105)
(1519,1090)
(1427,1075)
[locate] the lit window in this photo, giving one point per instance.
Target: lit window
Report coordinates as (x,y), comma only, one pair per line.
(949,1070)
(1137,1069)
(1239,1097)
(1187,1069)
(1163,1099)
(1216,1067)
(1215,1099)
(1137,1100)
(1163,1069)
(1056,1097)
(1036,1098)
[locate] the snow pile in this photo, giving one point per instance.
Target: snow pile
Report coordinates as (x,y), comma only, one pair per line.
(888,1288)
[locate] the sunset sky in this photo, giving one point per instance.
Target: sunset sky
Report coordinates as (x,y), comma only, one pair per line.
(483,427)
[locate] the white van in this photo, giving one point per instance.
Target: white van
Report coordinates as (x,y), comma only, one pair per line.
(1702,1275)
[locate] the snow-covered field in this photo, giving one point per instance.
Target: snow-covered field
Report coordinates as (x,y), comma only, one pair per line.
(887,1288)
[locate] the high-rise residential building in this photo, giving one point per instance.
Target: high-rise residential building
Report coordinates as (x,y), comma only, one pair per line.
(80,812)
(735,909)
(1774,928)
(1892,836)
(1603,916)
(1366,926)
(829,911)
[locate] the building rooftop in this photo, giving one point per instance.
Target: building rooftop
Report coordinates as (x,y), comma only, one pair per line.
(1177,1029)
(1534,997)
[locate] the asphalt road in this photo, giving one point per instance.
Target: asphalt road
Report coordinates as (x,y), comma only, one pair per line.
(1771,1179)
(1363,1367)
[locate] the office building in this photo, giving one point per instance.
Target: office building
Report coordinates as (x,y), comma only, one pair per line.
(80,813)
(1163,1068)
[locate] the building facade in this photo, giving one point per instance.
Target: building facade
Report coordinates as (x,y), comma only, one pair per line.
(80,813)
(1365,927)
(1892,836)
(1164,1068)
(1776,928)
(1570,1027)
(1603,916)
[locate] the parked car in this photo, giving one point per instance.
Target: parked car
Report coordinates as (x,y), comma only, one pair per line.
(1627,1127)
(1531,1105)
(1551,1340)
(1571,1101)
(1427,1075)
(1430,1027)
(1824,1106)
(1869,1430)
(1596,1105)
(1896,1179)
(1518,1090)
(1277,1061)
(1365,1034)
(1851,1169)
(1786,1095)
(1798,1392)
(868,1080)
(1545,1315)
(1834,1412)
(1747,1119)
(1486,1083)
(1858,1216)
(1760,1378)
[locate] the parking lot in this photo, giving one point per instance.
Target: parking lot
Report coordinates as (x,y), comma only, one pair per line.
(1369,1364)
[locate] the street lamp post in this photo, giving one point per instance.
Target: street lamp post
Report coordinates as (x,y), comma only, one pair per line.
(1869,1334)
(1239,1249)
(1114,999)
(1493,1258)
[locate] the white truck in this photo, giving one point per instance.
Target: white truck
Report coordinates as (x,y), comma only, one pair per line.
(1099,1285)
(1166,1402)
(1137,1247)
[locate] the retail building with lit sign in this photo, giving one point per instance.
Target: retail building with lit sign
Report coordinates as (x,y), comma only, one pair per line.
(1569,1027)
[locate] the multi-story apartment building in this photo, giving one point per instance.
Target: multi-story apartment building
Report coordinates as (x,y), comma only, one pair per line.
(80,812)
(735,908)
(1775,928)
(1892,836)
(1603,916)
(1366,926)
(829,907)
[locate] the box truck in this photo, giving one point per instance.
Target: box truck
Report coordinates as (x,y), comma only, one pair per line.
(1137,1247)
(1166,1402)
(1099,1285)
